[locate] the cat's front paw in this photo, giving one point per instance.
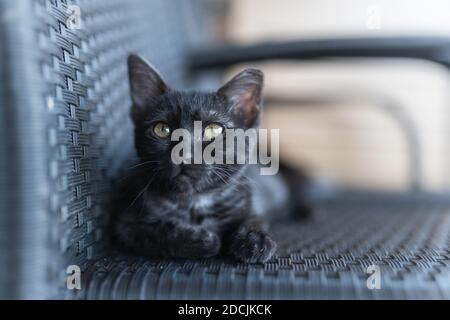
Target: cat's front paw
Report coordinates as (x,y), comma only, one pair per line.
(199,243)
(252,246)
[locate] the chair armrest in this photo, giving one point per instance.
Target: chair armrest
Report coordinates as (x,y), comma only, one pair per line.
(434,49)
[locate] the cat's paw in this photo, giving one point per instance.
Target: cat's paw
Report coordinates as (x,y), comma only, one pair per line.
(200,243)
(252,246)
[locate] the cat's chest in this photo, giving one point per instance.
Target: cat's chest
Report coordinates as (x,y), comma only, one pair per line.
(202,207)
(211,208)
(203,203)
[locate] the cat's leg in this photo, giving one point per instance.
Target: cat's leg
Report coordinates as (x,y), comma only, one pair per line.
(251,243)
(168,238)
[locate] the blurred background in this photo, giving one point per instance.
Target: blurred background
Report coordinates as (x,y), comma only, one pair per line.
(349,139)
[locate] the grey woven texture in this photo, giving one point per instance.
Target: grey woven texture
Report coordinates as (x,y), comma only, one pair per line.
(65,126)
(325,257)
(65,134)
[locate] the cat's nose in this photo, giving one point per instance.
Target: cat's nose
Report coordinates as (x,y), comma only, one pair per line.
(180,169)
(186,162)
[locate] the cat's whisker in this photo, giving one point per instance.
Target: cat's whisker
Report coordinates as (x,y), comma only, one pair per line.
(220,177)
(142,164)
(128,175)
(143,190)
(138,196)
(236,180)
(229,183)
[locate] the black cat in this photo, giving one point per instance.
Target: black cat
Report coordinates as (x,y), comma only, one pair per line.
(197,210)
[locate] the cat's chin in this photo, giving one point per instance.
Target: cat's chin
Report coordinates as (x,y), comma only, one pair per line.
(183,183)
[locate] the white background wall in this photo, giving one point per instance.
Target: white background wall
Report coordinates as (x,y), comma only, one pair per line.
(355,144)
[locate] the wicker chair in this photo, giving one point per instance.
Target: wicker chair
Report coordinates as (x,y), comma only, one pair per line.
(65,136)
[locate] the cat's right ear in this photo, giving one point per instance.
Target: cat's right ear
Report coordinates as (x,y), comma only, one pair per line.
(146,85)
(244,92)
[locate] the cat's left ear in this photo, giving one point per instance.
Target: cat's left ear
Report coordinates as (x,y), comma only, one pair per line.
(146,85)
(244,93)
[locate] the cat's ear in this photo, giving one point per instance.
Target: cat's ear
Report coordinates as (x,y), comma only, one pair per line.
(145,85)
(244,93)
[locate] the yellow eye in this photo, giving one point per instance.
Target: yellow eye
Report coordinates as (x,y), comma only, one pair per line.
(212,131)
(161,130)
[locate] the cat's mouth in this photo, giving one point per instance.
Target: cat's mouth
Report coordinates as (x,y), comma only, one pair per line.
(183,180)
(181,173)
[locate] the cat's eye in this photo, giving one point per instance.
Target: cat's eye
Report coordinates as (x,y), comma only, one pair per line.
(161,130)
(212,131)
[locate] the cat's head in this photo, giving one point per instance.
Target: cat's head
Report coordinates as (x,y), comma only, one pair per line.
(158,110)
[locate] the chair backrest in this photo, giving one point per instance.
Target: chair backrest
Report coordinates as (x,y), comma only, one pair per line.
(64,128)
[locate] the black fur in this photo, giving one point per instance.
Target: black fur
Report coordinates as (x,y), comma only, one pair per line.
(195,211)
